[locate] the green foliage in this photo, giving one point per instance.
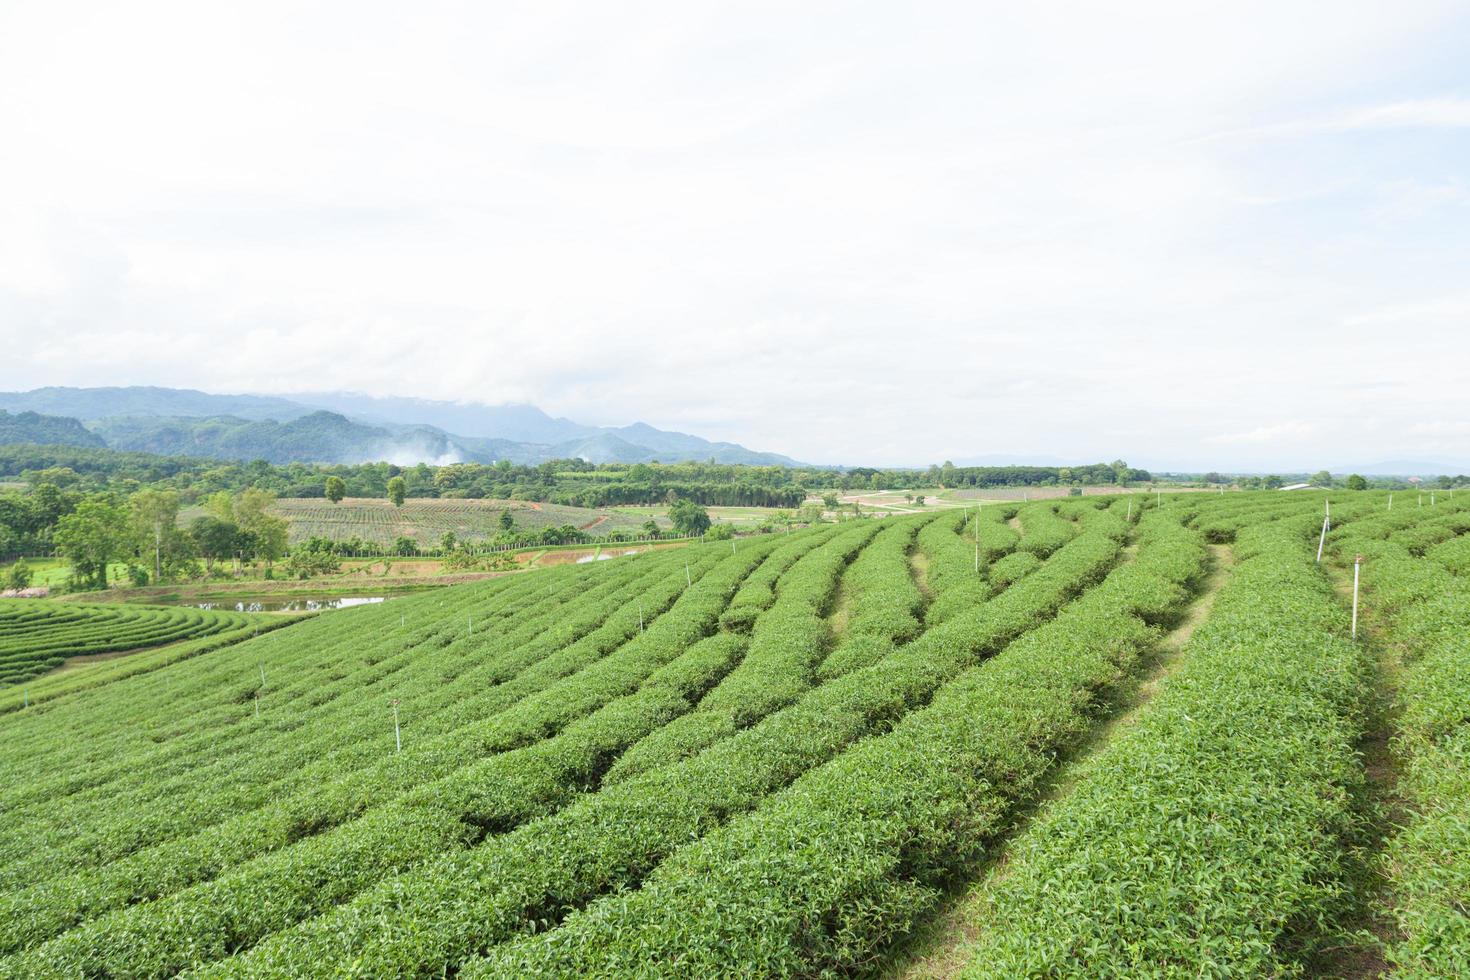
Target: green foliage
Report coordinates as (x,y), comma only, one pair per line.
(92,537)
(689,518)
(19,576)
(335,489)
(397,491)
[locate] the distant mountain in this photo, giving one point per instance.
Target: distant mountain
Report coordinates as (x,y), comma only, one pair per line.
(338,427)
(320,437)
(516,423)
(100,403)
(49,430)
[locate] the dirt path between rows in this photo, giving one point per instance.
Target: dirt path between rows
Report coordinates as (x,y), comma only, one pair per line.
(942,947)
(1361,956)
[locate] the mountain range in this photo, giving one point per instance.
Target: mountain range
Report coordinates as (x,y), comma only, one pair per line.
(339,427)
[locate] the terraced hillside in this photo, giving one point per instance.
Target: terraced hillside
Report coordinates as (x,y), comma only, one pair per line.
(814,753)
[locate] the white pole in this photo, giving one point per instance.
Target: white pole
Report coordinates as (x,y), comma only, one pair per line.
(1357,566)
(1130,509)
(397,737)
(640,616)
(27,692)
(262,675)
(687,580)
(1322,541)
(1390,501)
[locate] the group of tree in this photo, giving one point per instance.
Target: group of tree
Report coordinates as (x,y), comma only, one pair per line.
(140,530)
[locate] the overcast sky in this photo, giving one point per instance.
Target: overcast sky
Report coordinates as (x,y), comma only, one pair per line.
(1232,234)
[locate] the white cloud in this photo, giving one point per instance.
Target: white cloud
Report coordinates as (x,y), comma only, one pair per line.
(855,235)
(1290,432)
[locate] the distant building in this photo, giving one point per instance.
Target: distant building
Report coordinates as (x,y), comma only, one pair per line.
(1300,486)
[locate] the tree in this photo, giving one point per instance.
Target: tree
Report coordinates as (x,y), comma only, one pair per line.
(506,520)
(689,518)
(447,541)
(336,489)
(1322,478)
(397,490)
(92,536)
(1272,482)
(829,500)
(215,539)
(650,528)
(19,576)
(155,519)
(264,535)
(919,500)
(1357,482)
(405,547)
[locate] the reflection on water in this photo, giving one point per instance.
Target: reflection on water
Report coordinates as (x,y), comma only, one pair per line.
(601,556)
(260,604)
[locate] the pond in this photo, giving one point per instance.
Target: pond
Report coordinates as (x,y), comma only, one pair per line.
(602,556)
(283,604)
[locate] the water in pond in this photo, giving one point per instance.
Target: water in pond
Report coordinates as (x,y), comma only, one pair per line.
(601,556)
(281,604)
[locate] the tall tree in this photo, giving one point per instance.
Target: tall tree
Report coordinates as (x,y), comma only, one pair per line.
(265,533)
(155,518)
(336,488)
(92,536)
(397,490)
(689,518)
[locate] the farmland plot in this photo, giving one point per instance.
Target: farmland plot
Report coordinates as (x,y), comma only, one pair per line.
(777,756)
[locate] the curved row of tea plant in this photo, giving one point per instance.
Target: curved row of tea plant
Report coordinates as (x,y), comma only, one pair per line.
(365,789)
(435,916)
(1209,837)
(829,870)
(300,762)
(1424,611)
(38,636)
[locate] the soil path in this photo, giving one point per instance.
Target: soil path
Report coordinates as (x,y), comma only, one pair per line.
(1370,927)
(942,947)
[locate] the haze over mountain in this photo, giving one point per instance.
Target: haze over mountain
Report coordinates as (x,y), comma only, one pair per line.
(339,427)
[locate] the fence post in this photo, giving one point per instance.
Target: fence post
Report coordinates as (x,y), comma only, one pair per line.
(1357,566)
(397,737)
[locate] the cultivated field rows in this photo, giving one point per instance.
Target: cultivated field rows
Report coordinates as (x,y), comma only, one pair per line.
(787,755)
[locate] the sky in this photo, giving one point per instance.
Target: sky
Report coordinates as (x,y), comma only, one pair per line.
(1225,235)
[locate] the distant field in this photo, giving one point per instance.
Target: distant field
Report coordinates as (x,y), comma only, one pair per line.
(741,517)
(425,519)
